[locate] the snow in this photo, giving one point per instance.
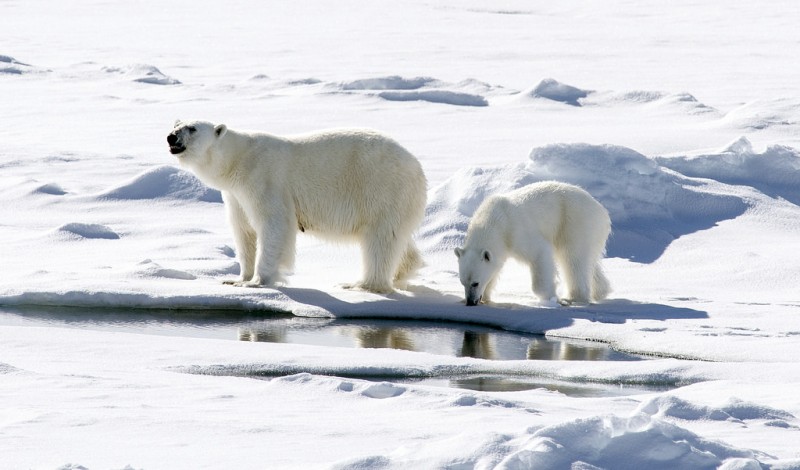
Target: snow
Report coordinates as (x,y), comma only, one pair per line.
(553,90)
(681,118)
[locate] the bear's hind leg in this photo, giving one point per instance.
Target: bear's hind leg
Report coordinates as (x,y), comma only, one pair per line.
(601,287)
(410,262)
(577,274)
(381,254)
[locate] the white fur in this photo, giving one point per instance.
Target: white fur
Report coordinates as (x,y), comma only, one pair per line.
(547,225)
(348,184)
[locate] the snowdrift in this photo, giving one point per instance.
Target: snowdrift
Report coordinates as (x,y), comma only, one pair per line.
(650,205)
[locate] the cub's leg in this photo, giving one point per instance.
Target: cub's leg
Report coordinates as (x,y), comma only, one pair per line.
(539,255)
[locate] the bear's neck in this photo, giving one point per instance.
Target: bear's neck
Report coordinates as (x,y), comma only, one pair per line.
(235,160)
(489,228)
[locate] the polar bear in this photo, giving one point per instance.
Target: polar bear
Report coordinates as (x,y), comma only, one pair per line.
(347,184)
(544,225)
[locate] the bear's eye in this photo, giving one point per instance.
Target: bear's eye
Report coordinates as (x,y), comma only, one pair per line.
(475,284)
(192,129)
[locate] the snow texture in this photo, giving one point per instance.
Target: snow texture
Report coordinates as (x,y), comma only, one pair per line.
(680,117)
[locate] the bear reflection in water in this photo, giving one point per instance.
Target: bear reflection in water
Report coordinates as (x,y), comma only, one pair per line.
(499,345)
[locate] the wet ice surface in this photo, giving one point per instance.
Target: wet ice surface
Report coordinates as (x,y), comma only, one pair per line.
(443,338)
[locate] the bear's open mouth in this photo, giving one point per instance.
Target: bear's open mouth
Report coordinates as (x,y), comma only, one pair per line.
(176,149)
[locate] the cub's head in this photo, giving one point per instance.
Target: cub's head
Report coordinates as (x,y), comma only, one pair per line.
(193,139)
(476,268)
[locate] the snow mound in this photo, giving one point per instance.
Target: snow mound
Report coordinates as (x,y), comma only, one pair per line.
(393,82)
(764,114)
(383,390)
(775,172)
(143,73)
(736,410)
(687,101)
(650,206)
(8,369)
(436,96)
(639,96)
(475,86)
(72,466)
(553,90)
(605,442)
(681,101)
(11,66)
(52,189)
(431,90)
(639,441)
(303,81)
(165,182)
(87,231)
(149,269)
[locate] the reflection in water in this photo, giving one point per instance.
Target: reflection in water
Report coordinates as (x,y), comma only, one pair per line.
(549,350)
(437,338)
(453,339)
(442,338)
(518,384)
(275,335)
(384,338)
(477,345)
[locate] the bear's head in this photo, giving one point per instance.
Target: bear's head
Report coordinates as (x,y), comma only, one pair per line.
(192,138)
(195,143)
(476,269)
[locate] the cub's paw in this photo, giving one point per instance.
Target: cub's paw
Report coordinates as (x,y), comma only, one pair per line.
(573,302)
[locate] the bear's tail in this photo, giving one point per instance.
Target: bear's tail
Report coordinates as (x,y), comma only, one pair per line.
(600,285)
(409,264)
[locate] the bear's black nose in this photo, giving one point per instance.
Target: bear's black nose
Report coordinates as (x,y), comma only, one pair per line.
(172,139)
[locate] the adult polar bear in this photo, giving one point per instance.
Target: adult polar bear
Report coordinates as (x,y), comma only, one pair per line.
(347,184)
(545,225)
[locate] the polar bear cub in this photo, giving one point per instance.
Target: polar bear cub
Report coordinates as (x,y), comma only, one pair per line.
(547,225)
(349,184)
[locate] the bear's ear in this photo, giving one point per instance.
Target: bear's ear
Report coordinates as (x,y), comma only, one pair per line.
(220,129)
(178,122)
(459,252)
(487,256)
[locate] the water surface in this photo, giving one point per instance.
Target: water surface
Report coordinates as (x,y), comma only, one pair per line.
(444,338)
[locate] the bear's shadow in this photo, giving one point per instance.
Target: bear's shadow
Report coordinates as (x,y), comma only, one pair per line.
(435,306)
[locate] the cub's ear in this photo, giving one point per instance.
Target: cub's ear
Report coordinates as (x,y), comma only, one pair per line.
(220,129)
(178,122)
(487,256)
(459,252)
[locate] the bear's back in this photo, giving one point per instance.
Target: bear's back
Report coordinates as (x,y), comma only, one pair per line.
(344,179)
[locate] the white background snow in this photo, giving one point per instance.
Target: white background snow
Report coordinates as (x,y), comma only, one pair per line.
(682,118)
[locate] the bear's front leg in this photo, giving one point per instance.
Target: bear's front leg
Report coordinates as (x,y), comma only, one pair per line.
(273,240)
(244,237)
(543,273)
(487,292)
